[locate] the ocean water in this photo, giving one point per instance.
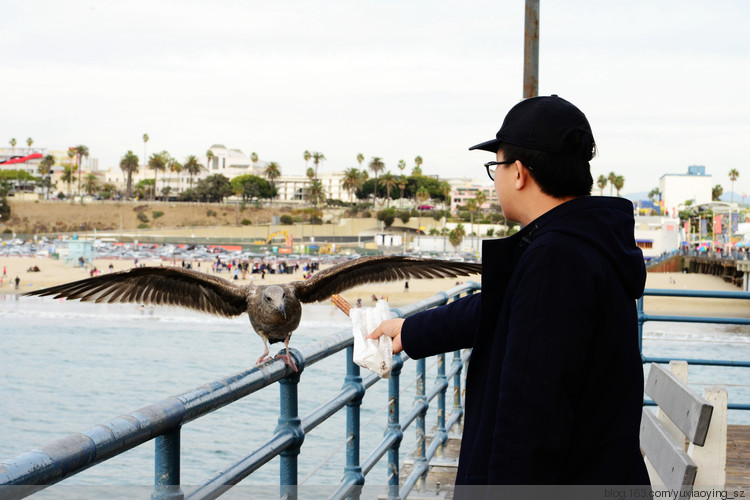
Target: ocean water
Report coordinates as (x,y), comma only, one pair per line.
(67,366)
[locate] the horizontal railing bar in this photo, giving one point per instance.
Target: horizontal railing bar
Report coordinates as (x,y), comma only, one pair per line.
(61,458)
(706,294)
(730,406)
(694,319)
(346,490)
(210,397)
(375,455)
(437,389)
(704,362)
(413,414)
(76,452)
(217,484)
(436,300)
(340,400)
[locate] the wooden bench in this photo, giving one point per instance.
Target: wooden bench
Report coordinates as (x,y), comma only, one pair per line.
(684,418)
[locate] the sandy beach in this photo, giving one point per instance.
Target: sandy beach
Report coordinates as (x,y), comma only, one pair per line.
(53,272)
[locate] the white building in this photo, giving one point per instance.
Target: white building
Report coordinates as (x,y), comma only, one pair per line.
(676,189)
(656,235)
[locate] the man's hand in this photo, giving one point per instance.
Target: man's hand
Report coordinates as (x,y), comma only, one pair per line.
(391,328)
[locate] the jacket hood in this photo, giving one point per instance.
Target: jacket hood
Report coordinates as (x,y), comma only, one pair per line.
(604,223)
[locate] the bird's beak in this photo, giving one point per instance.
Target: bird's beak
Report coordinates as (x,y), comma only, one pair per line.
(282,310)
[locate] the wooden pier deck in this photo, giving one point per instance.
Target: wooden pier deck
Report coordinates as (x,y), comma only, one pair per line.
(441,479)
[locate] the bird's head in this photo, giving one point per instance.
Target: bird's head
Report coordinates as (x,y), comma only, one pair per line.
(273,298)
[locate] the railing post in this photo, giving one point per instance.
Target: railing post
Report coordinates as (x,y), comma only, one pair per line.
(421,400)
(353,470)
(167,467)
(394,427)
(641,320)
(289,420)
(440,433)
(457,387)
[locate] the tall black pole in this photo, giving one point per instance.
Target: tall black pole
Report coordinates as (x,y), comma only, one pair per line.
(531,50)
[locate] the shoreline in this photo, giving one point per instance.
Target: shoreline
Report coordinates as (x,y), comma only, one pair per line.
(53,272)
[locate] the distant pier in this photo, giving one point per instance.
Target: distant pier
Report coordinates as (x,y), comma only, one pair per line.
(730,268)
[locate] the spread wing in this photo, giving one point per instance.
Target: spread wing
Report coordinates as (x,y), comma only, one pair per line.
(173,286)
(341,277)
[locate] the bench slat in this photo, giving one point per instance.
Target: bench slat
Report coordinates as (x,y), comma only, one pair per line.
(674,466)
(690,412)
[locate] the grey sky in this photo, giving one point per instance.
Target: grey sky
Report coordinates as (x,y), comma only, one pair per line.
(664,83)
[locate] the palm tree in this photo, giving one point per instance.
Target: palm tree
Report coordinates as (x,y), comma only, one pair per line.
(377,166)
(716,192)
(175,167)
(310,174)
(13,143)
(471,206)
(129,165)
(457,235)
(601,182)
(158,161)
(81,153)
(145,140)
(254,159)
(91,184)
(481,199)
(360,159)
(401,187)
(402,166)
(273,172)
(733,174)
(306,155)
(192,167)
(45,167)
(29,141)
(611,178)
(317,158)
(68,176)
(315,193)
(209,158)
(389,181)
(619,183)
(352,181)
(418,165)
(653,193)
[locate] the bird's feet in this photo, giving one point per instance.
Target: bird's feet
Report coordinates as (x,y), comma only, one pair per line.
(263,358)
(289,360)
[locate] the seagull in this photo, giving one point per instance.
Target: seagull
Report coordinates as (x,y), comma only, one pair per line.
(274,310)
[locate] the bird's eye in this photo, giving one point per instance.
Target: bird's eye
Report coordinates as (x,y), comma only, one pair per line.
(268,299)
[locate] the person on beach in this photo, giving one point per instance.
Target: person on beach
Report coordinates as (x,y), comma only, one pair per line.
(554,389)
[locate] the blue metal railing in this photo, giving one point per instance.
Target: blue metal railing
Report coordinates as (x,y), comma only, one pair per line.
(643,318)
(162,422)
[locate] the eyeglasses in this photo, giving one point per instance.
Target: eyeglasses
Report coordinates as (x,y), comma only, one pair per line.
(490,166)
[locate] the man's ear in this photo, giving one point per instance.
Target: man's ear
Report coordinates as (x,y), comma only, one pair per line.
(522,176)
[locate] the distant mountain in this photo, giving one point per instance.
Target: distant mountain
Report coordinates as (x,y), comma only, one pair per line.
(634,196)
(737,198)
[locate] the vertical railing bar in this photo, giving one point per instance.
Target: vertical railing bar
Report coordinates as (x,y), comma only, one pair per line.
(457,408)
(289,420)
(440,431)
(167,467)
(394,427)
(422,402)
(353,470)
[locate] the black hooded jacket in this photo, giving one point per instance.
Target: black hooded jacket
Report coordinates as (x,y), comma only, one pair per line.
(554,387)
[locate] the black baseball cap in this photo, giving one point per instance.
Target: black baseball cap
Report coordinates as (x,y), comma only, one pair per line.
(541,123)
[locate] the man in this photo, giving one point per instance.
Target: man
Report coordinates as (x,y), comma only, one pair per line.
(555,384)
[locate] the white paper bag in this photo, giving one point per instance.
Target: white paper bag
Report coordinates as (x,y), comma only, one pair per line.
(373,354)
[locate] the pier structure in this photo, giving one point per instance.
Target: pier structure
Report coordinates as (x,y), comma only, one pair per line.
(427,471)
